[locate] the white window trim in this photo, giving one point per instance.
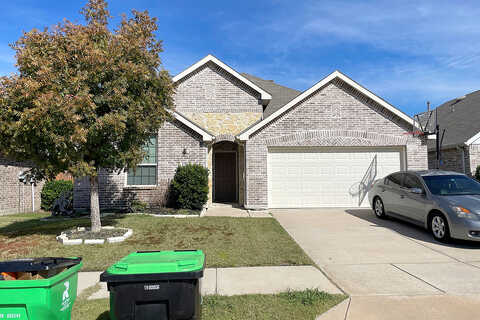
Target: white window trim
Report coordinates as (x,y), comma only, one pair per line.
(144,186)
(473,140)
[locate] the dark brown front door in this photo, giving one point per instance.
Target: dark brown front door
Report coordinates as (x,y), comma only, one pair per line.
(225,179)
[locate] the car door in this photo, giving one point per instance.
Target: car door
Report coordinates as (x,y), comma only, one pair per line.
(390,192)
(412,205)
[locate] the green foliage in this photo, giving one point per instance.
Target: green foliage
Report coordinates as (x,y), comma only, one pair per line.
(477,173)
(190,187)
(307,298)
(86,95)
(52,190)
(138,206)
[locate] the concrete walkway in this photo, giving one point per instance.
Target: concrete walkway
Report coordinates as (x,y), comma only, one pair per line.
(229,210)
(391,270)
(235,281)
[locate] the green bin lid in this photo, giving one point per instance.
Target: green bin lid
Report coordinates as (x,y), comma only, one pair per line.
(150,262)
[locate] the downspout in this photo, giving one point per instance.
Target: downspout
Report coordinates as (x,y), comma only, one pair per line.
(33,195)
(463,158)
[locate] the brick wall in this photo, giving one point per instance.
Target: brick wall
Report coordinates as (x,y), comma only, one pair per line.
(15,196)
(335,110)
(173,138)
(474,157)
(452,159)
(216,101)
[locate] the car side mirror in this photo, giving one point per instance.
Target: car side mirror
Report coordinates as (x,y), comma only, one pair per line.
(416,190)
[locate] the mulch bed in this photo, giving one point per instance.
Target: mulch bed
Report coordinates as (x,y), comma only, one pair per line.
(87,234)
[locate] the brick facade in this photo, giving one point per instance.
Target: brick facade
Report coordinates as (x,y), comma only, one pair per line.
(177,145)
(452,159)
(15,196)
(216,101)
(334,115)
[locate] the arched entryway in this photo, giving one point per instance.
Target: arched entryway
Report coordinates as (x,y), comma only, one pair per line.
(225,172)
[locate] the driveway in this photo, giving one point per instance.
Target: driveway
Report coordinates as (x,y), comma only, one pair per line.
(388,265)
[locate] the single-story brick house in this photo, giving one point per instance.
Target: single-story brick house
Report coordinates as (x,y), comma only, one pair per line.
(268,146)
(461,143)
(16,196)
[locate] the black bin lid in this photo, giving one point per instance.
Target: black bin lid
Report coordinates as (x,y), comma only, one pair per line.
(37,264)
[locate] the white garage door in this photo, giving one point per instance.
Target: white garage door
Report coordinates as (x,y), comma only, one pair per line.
(325,177)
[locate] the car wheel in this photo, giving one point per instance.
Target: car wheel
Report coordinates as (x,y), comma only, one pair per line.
(439,227)
(378,208)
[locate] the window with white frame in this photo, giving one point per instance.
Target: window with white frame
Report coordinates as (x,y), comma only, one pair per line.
(146,172)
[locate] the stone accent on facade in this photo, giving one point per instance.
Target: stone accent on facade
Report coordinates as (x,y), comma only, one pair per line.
(336,108)
(224,123)
(177,145)
(15,196)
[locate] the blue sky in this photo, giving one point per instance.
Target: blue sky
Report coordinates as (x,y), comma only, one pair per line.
(407,52)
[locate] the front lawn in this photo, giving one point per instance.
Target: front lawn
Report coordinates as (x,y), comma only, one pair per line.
(301,305)
(227,242)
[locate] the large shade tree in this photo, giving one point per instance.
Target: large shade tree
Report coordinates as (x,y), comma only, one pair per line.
(86,97)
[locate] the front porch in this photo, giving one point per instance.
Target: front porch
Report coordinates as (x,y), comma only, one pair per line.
(226,162)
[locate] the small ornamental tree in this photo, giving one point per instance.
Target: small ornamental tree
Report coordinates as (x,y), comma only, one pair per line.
(85,98)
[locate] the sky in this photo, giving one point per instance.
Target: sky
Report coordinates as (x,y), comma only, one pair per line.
(407,52)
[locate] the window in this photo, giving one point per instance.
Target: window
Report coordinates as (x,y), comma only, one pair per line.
(411,182)
(452,185)
(146,172)
(394,180)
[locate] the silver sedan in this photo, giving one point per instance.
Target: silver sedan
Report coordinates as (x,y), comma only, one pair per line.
(446,203)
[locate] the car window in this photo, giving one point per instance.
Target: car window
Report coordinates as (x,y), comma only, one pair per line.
(395,180)
(449,185)
(410,181)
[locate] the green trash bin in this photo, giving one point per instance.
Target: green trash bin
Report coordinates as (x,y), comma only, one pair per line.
(46,299)
(160,285)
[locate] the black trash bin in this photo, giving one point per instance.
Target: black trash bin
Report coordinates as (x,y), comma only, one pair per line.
(160,285)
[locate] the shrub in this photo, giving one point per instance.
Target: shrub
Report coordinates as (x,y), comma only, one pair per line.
(477,173)
(189,187)
(52,190)
(138,206)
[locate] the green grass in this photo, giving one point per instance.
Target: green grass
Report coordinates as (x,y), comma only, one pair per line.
(301,305)
(227,242)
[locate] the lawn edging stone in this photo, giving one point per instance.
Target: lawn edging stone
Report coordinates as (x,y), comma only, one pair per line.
(63,237)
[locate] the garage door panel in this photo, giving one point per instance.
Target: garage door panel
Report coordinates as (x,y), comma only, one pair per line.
(309,177)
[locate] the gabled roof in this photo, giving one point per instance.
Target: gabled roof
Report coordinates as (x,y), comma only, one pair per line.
(264,95)
(206,136)
(460,118)
(281,95)
(334,75)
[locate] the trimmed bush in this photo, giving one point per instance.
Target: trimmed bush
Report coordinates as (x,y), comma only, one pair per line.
(52,190)
(189,187)
(477,173)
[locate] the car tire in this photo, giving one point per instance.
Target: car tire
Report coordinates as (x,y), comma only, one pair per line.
(379,208)
(439,227)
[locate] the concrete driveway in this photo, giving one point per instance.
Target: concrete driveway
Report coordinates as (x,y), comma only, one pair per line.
(388,265)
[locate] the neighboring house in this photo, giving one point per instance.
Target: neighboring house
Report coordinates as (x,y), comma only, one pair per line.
(268,146)
(16,196)
(461,143)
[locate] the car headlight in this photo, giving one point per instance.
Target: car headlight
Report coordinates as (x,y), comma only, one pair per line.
(464,213)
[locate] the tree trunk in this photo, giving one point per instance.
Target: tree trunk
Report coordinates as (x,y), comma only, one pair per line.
(94,205)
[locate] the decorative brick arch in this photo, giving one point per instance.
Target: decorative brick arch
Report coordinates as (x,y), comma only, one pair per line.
(224,137)
(337,138)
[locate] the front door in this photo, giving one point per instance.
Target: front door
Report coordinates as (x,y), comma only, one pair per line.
(225,179)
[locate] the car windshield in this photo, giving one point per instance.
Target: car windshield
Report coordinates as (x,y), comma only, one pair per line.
(451,185)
